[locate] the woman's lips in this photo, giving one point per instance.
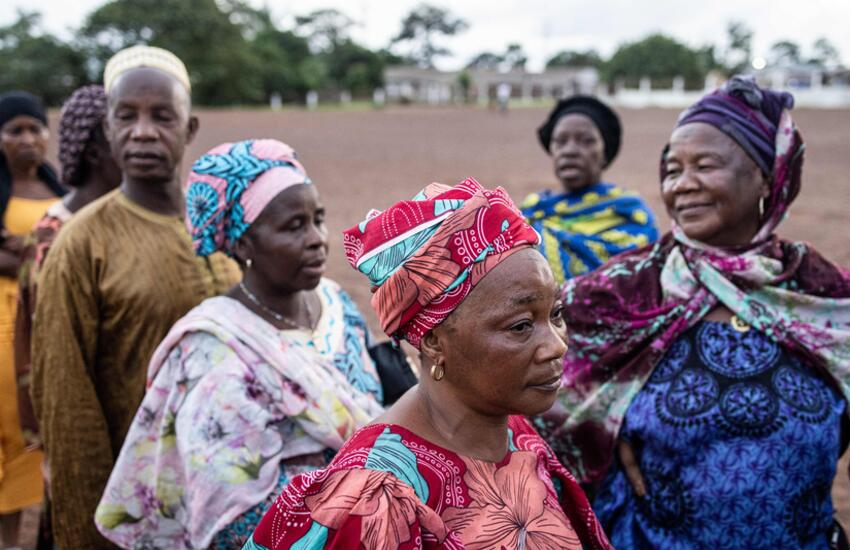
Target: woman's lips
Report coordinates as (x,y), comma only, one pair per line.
(553,384)
(314,268)
(695,209)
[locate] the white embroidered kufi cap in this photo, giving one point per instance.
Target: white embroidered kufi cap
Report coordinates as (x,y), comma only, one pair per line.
(144,56)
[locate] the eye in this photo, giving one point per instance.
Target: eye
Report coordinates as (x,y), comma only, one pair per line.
(705,167)
(295,224)
(557,315)
(672,171)
(520,326)
(165,116)
(320,217)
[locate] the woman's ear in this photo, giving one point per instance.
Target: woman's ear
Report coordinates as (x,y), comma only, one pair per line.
(766,184)
(431,347)
(243,250)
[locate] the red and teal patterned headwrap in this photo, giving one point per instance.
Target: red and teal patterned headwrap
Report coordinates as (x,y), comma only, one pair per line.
(424,256)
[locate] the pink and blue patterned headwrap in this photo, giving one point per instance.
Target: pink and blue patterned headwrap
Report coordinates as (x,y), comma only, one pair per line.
(231,185)
(759,121)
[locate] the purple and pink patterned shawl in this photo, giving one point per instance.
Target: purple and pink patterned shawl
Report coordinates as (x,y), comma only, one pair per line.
(623,317)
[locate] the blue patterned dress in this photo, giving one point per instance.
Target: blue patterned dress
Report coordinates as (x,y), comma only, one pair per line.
(738,443)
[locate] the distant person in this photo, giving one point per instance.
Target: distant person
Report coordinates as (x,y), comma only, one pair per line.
(503,96)
(707,379)
(453,463)
(89,171)
(28,187)
(279,370)
(588,221)
(118,276)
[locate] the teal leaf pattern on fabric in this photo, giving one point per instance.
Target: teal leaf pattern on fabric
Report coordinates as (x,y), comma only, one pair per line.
(446,205)
(314,539)
(390,455)
(465,273)
(381,266)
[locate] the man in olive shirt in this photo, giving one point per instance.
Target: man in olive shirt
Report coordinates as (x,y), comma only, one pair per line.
(119,274)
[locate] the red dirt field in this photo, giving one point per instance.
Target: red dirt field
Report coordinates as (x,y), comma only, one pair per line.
(368,159)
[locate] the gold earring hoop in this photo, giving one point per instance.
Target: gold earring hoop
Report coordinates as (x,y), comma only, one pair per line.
(437,375)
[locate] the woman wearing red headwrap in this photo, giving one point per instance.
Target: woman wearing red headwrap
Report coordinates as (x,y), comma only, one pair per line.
(450,465)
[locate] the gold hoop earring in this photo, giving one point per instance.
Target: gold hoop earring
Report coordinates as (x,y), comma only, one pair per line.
(437,375)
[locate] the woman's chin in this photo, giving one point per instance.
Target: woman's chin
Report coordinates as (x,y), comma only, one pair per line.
(542,402)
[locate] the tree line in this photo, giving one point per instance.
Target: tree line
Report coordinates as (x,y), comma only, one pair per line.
(237,55)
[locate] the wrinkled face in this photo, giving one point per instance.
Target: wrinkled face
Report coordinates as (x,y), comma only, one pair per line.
(578,151)
(23,141)
(502,347)
(712,188)
(148,124)
(288,242)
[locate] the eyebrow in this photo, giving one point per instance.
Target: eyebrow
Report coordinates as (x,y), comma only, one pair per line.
(525,299)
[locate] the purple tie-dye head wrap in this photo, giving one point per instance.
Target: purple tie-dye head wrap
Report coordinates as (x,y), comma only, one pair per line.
(759,121)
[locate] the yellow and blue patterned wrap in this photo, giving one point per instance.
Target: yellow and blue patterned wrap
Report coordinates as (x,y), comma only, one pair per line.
(583,230)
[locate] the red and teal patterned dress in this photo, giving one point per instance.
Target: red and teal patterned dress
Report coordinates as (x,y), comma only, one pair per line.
(390,489)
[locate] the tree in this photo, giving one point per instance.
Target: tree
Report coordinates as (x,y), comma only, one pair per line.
(575,59)
(38,62)
(223,67)
(825,54)
(739,50)
(355,68)
(286,62)
(421,27)
(485,61)
(658,57)
(326,29)
(785,52)
(514,58)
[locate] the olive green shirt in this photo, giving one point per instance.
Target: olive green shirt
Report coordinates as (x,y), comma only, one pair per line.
(117,278)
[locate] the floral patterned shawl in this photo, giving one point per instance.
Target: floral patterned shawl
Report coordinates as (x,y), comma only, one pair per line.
(622,318)
(229,398)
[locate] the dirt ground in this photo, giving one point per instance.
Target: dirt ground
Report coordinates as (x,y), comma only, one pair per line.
(368,159)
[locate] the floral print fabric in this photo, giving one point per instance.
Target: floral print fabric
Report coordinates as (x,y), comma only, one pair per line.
(623,317)
(389,489)
(229,399)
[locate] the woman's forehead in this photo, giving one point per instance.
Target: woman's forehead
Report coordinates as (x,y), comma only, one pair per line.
(22,120)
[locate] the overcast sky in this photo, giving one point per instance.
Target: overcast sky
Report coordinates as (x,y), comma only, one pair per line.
(544,27)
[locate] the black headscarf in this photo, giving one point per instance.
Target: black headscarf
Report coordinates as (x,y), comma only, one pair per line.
(605,119)
(14,104)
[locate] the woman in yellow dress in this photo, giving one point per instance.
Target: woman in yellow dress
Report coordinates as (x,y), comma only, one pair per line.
(28,186)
